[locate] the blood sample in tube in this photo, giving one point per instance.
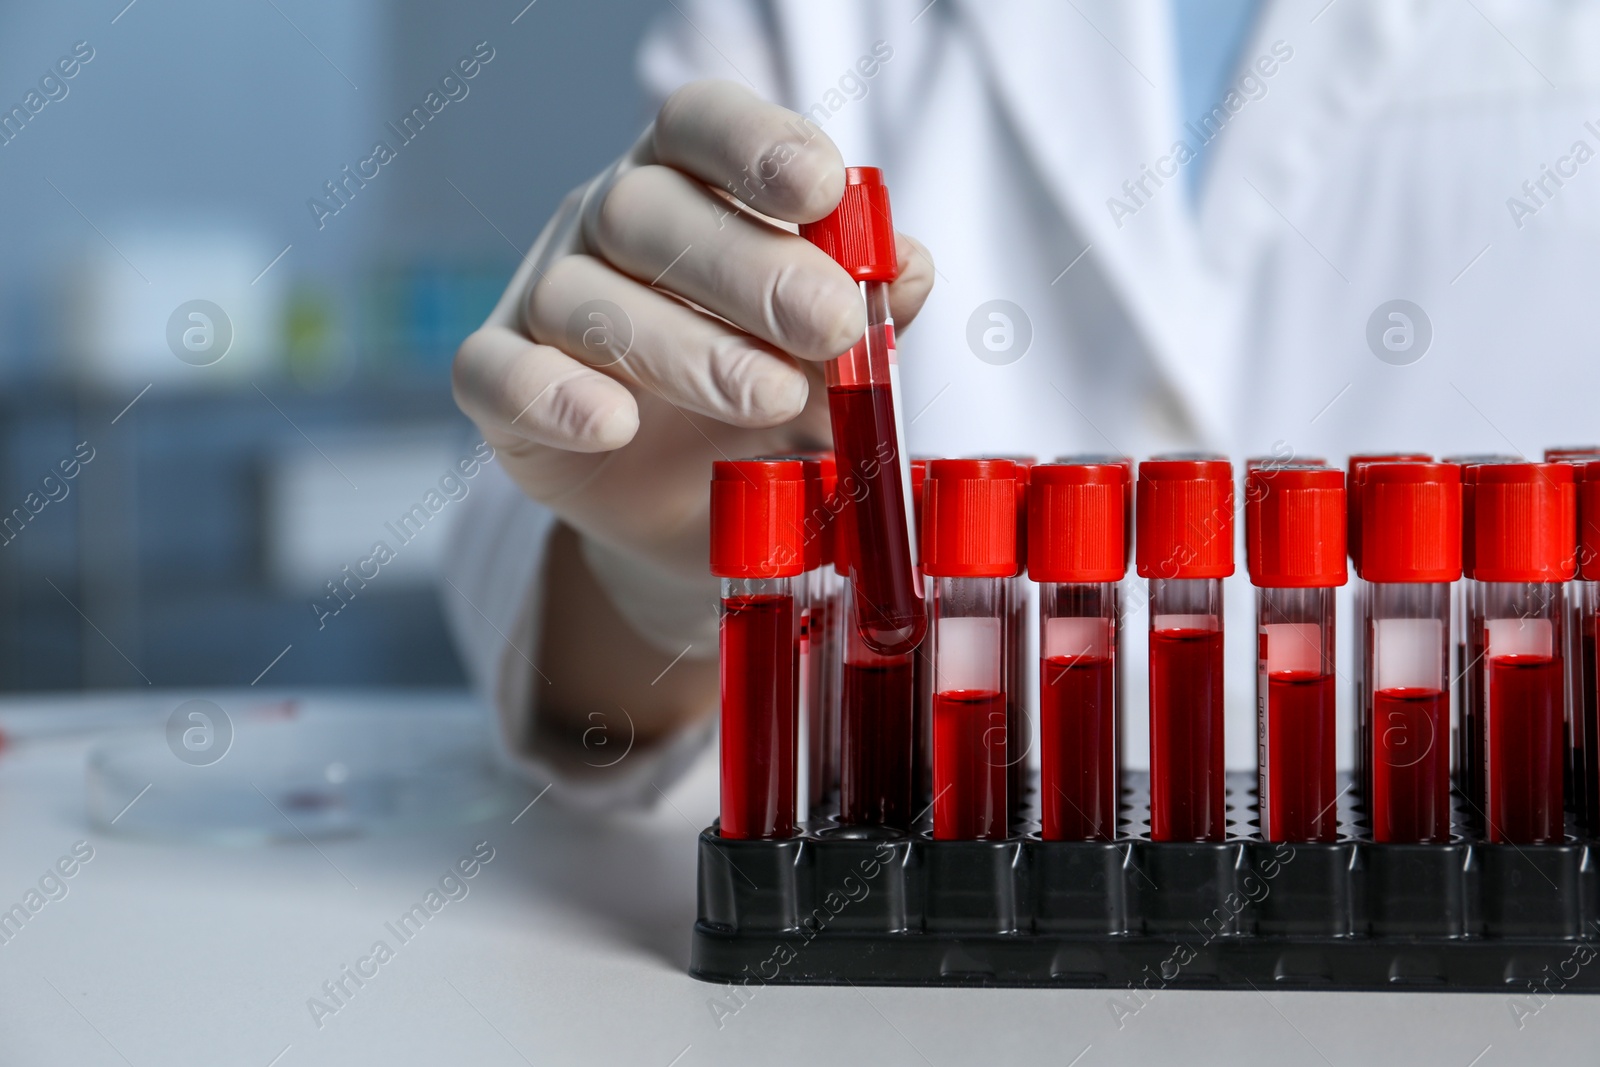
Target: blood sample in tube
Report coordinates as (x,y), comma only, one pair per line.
(1410,556)
(873,467)
(876,734)
(756,516)
(969,550)
(1586,635)
(1185,549)
(1521,549)
(1295,536)
(1077,531)
(1360,653)
(1581,743)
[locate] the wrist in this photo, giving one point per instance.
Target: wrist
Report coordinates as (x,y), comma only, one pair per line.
(672,613)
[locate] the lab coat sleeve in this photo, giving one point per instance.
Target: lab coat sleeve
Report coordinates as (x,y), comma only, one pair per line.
(495,563)
(493,596)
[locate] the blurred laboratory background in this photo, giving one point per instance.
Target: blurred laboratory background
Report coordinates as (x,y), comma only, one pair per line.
(178,521)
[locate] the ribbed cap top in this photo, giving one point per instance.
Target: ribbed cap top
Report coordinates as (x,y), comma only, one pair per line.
(969,527)
(1126,463)
(1522,524)
(859,233)
(1571,453)
(1411,522)
(1294,527)
(1185,518)
(1077,522)
(1588,476)
(757,511)
(1255,463)
(1353,503)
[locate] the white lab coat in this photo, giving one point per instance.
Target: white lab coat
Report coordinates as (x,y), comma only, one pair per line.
(1383,158)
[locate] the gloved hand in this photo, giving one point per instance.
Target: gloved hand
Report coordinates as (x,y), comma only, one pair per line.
(665,318)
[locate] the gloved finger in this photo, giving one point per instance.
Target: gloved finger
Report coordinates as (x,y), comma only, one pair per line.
(764,155)
(908,292)
(516,390)
(668,230)
(635,334)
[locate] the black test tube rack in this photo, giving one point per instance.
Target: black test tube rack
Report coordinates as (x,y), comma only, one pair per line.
(842,905)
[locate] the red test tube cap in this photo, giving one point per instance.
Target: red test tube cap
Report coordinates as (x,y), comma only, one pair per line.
(1522,522)
(757,511)
(1126,463)
(1077,522)
(1295,527)
(919,477)
(1411,522)
(1588,476)
(1469,462)
(969,527)
(1357,464)
(1024,465)
(1184,515)
(1571,453)
(1255,463)
(821,479)
(859,233)
(828,528)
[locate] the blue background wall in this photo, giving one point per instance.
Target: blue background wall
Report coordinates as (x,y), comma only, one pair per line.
(217,122)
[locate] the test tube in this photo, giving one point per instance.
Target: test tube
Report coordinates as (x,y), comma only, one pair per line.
(1410,555)
(1580,740)
(1295,538)
(808,614)
(1360,654)
(839,623)
(757,510)
(922,663)
(821,708)
(876,730)
(827,629)
(1520,548)
(1585,697)
(969,542)
(1118,669)
(864,404)
(1019,729)
(1185,549)
(875,714)
(1077,533)
(1469,646)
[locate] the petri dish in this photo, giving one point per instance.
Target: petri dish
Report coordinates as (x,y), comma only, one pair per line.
(329,770)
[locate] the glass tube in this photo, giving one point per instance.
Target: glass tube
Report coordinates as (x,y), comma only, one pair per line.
(969,710)
(759,632)
(1078,759)
(1295,700)
(1520,681)
(863,400)
(1186,710)
(1407,629)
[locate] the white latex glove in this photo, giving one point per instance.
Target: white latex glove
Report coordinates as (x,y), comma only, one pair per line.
(725,315)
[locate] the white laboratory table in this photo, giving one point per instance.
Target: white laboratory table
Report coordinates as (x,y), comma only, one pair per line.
(569,947)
